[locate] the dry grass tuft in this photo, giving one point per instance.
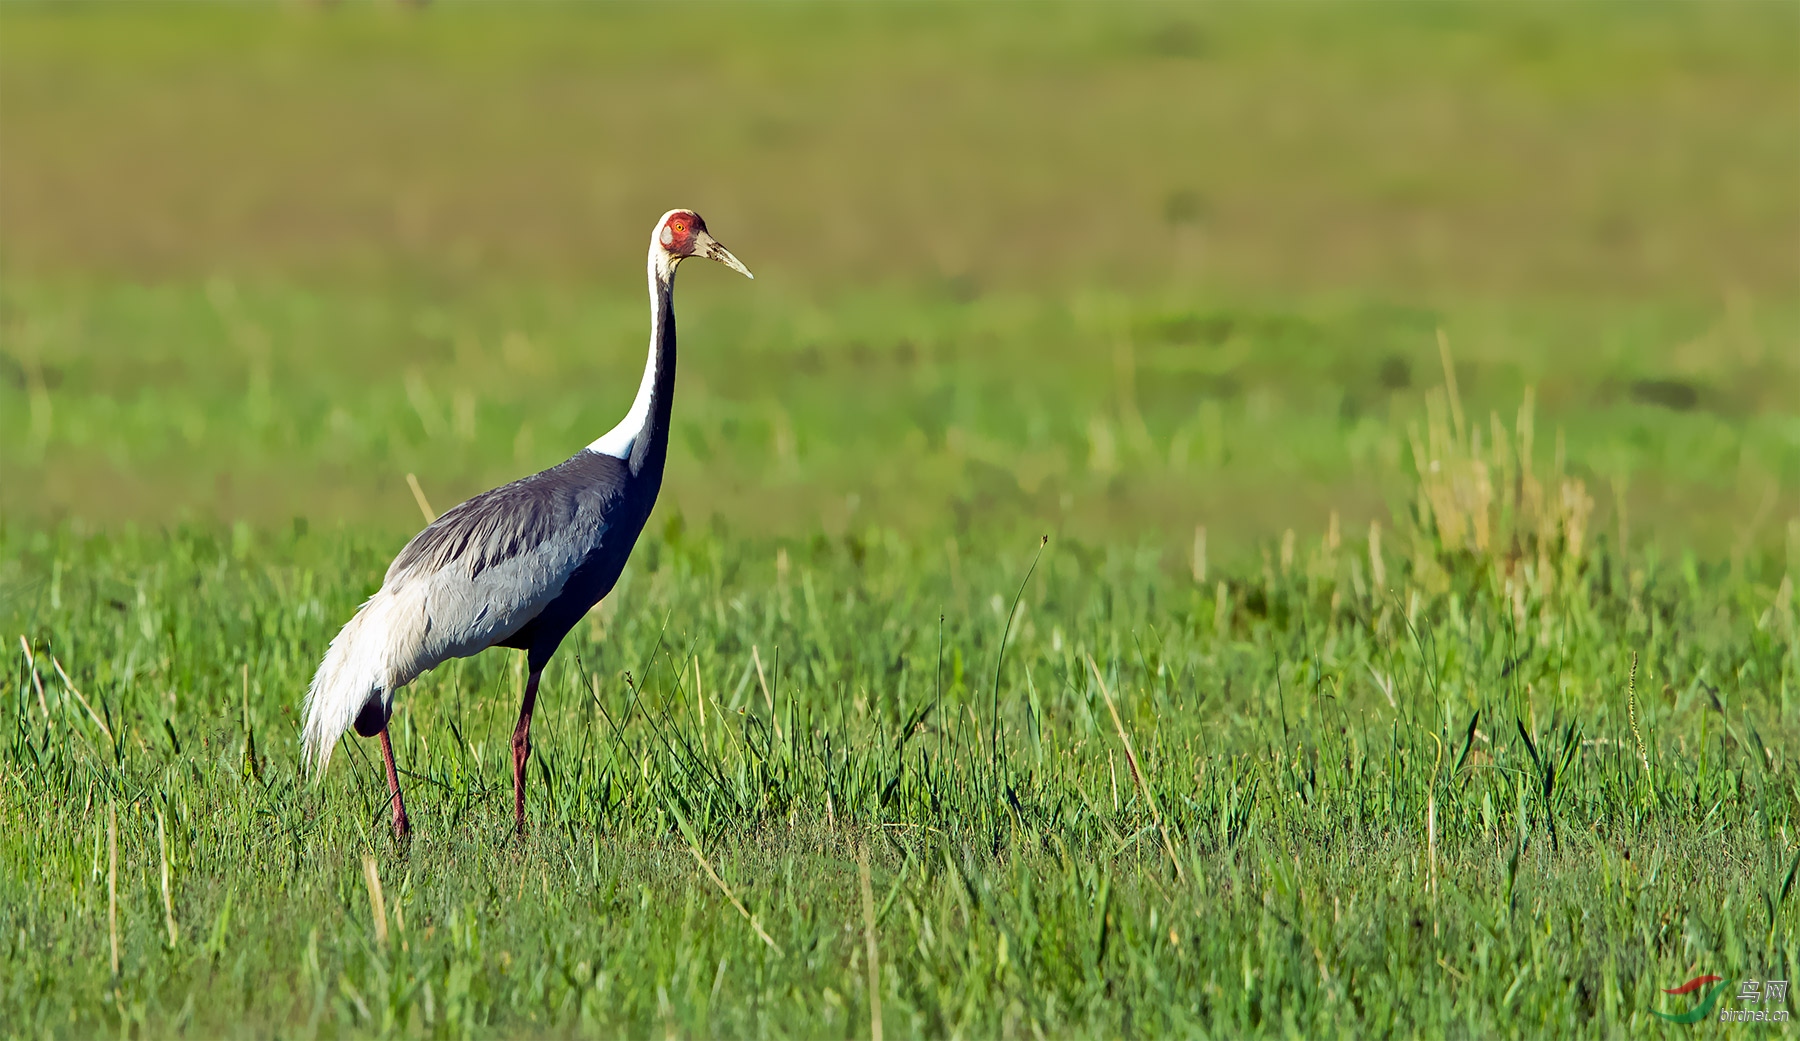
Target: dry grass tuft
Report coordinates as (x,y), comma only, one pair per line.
(1482,497)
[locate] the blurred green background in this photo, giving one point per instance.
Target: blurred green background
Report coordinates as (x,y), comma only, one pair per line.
(1110,271)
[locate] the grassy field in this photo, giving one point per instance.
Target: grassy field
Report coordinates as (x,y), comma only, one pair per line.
(1407,392)
(1448,800)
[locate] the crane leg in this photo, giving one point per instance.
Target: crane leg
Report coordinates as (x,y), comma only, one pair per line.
(402,826)
(521,745)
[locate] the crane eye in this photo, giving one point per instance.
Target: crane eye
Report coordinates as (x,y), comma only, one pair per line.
(680,227)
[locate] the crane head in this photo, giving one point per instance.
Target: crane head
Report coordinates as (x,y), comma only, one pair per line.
(682,234)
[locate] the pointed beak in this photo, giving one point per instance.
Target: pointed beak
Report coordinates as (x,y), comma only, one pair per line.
(713,250)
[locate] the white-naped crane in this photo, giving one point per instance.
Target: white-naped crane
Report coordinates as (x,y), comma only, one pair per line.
(516,566)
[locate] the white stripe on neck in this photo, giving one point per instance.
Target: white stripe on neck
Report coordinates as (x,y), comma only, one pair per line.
(619,441)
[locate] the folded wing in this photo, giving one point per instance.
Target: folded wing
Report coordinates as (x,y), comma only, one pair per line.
(472,578)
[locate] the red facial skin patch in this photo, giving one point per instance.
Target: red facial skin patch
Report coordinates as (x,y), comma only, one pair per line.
(677,235)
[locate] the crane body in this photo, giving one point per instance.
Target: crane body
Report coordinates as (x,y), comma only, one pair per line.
(516,566)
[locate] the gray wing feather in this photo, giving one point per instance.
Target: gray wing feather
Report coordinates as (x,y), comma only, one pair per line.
(491,564)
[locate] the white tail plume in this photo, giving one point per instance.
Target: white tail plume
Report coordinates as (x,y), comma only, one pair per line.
(355,667)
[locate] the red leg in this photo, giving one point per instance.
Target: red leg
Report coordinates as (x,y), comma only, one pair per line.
(402,826)
(521,744)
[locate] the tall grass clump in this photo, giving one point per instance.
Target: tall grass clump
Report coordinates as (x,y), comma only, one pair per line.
(1479,500)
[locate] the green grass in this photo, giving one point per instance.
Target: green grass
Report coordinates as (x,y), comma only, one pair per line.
(1022,887)
(175,402)
(1107,273)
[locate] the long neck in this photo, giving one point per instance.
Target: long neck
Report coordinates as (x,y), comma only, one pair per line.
(641,439)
